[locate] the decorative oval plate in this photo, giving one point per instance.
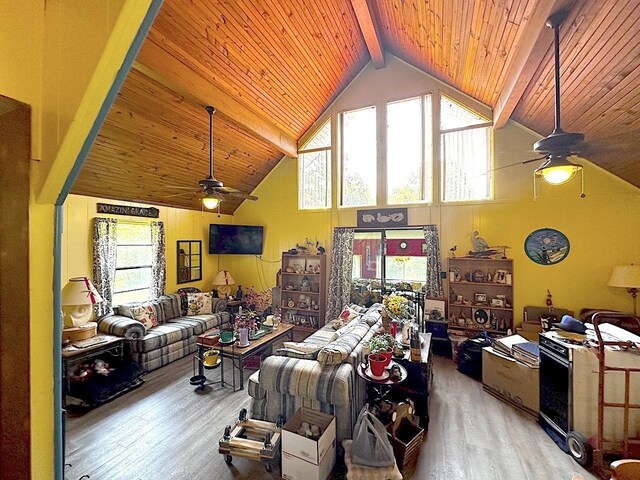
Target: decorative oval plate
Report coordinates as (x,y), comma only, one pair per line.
(546,246)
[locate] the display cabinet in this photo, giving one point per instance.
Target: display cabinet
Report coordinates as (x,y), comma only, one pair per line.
(303,291)
(480,295)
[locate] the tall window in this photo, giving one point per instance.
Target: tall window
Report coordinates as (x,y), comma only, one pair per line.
(359,157)
(409,151)
(314,171)
(465,143)
(134,254)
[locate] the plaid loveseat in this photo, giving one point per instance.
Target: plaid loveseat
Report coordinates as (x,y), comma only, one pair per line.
(330,384)
(175,335)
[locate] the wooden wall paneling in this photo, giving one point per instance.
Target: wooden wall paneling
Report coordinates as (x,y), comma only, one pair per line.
(15,392)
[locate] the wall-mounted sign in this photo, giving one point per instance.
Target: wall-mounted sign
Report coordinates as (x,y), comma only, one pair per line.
(383,218)
(149,212)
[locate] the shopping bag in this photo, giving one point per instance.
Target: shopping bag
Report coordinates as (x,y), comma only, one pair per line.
(371,446)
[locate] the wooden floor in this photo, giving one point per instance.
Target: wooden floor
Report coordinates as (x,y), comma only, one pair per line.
(166,430)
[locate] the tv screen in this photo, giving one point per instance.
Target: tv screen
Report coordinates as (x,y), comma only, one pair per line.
(237,239)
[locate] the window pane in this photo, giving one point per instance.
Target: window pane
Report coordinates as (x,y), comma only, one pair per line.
(134,234)
(321,139)
(137,278)
(466,164)
(405,155)
(134,296)
(454,115)
(359,157)
(133,256)
(406,269)
(315,175)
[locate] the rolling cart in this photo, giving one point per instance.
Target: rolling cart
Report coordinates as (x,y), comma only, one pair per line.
(628,447)
(252,439)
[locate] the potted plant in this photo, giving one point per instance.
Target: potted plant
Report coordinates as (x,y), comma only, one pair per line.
(382,345)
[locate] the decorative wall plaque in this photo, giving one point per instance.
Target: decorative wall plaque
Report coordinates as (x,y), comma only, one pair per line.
(149,212)
(546,246)
(383,218)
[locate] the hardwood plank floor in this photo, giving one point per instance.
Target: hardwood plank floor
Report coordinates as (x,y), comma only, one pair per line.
(166,430)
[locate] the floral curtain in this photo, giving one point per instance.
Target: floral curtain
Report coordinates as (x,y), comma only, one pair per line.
(104,261)
(158,261)
(341,265)
(434,266)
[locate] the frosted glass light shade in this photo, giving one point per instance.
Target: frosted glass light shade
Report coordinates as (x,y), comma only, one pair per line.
(210,202)
(558,170)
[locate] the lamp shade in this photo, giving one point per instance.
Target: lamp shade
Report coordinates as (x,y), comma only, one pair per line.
(558,170)
(625,276)
(224,278)
(210,201)
(80,291)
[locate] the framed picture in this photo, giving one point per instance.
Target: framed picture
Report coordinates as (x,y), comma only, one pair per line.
(497,302)
(480,298)
(480,315)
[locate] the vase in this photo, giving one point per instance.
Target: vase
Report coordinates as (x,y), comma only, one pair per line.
(386,320)
(244,337)
(406,329)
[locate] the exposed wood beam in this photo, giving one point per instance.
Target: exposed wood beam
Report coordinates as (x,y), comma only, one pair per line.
(529,52)
(165,69)
(368,28)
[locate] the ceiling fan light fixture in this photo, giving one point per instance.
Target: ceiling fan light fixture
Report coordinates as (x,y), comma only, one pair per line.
(557,170)
(210,201)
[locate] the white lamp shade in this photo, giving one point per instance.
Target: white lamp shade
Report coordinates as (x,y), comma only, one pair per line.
(224,278)
(625,276)
(80,291)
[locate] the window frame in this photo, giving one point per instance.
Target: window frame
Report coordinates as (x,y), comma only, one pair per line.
(137,267)
(328,168)
(440,144)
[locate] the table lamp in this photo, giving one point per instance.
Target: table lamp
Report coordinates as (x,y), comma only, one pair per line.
(627,276)
(78,297)
(223,281)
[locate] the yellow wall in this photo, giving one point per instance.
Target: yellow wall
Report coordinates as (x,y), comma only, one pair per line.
(603,228)
(180,224)
(60,57)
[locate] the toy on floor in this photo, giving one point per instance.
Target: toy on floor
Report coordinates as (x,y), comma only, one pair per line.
(252,439)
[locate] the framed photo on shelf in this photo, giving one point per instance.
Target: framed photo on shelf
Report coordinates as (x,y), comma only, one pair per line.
(480,298)
(497,302)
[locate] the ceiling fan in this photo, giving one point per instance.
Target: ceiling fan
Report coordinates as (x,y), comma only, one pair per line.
(558,145)
(213,189)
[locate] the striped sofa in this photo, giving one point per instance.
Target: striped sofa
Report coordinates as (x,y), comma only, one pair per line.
(173,338)
(330,383)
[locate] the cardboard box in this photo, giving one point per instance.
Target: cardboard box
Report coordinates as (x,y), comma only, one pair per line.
(305,458)
(511,381)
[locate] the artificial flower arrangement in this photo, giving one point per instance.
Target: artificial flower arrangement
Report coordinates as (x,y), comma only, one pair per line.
(248,319)
(397,306)
(257,301)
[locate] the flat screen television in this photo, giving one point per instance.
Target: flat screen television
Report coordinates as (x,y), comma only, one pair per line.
(236,239)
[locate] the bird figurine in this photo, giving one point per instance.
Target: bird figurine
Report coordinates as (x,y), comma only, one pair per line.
(320,249)
(478,243)
(453,251)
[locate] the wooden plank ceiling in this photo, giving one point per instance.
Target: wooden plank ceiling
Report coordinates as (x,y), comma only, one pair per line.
(275,65)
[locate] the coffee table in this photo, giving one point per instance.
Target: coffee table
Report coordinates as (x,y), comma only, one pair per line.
(261,347)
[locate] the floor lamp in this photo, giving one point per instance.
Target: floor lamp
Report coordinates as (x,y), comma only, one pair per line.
(627,276)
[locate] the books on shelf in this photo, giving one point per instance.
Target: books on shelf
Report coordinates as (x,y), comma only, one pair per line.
(301,320)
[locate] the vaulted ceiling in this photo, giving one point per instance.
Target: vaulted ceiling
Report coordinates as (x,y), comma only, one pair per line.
(272,67)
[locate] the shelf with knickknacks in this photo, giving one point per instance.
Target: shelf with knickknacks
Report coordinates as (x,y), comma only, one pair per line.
(480,295)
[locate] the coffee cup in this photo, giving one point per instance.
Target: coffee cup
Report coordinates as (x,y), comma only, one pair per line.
(210,357)
(226,335)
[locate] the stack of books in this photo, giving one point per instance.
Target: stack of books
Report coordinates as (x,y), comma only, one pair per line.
(519,348)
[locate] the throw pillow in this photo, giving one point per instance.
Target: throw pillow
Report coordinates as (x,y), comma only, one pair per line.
(146,315)
(305,351)
(302,346)
(348,314)
(199,303)
(343,330)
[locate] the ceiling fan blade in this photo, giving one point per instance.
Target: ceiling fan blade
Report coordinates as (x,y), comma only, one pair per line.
(179,187)
(182,194)
(537,159)
(236,193)
(622,143)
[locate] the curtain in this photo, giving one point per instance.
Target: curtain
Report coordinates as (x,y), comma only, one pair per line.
(434,267)
(341,265)
(158,261)
(104,261)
